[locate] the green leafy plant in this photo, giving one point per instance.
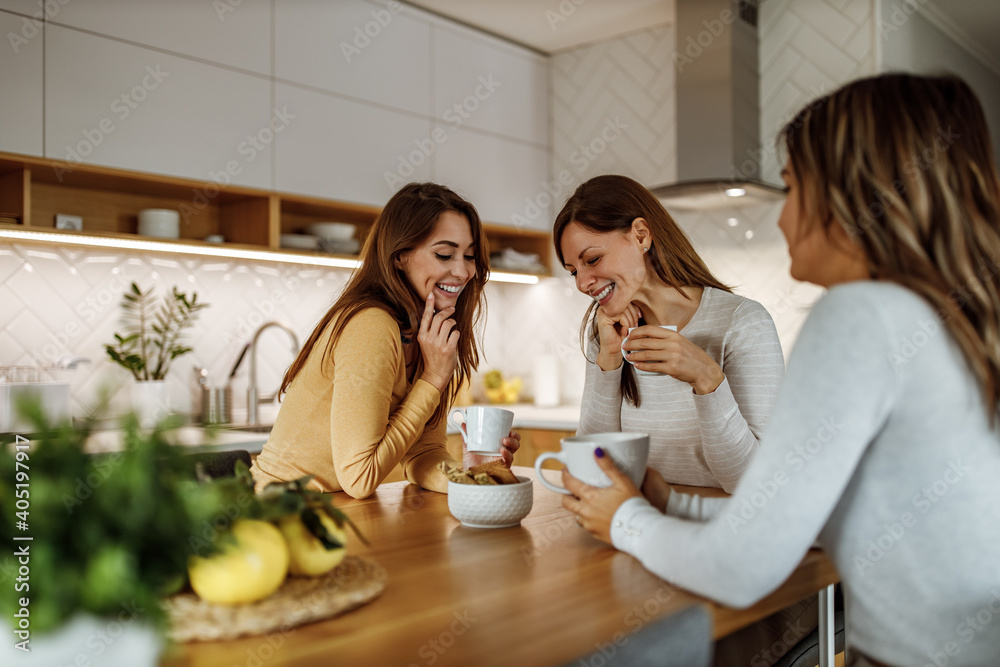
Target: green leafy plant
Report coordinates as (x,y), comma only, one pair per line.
(152,338)
(109,533)
(274,502)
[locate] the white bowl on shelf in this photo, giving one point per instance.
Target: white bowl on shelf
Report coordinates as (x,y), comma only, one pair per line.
(299,241)
(160,223)
(332,231)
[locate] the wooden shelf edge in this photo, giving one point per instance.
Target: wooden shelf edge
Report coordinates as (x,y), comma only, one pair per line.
(18,171)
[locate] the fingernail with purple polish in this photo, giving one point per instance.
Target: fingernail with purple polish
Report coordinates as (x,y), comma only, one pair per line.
(599,453)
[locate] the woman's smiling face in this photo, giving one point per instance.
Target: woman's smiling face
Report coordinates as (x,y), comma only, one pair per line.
(443,264)
(609,267)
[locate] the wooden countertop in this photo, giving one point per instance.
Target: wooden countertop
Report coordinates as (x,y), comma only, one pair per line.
(543,593)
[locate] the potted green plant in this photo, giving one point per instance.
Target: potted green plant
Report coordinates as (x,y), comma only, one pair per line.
(97,541)
(152,339)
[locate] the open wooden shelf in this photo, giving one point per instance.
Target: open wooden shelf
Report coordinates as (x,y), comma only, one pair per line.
(33,190)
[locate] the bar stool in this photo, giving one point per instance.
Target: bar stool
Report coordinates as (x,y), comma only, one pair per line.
(683,639)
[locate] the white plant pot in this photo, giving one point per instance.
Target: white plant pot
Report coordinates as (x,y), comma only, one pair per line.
(85,639)
(149,402)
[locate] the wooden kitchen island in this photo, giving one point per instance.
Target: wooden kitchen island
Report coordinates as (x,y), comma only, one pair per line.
(543,593)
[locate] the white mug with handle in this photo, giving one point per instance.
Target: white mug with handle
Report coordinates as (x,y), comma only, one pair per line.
(629,451)
(671,327)
(485,428)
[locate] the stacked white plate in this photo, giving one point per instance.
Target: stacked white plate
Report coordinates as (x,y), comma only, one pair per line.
(299,241)
(332,231)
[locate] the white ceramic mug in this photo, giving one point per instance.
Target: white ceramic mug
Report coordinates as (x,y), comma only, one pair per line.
(625,356)
(630,451)
(485,428)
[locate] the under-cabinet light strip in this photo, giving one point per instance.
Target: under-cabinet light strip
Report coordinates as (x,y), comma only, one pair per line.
(216,251)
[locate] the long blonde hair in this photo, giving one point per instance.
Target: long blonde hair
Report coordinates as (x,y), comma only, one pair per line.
(408,219)
(903,163)
(608,204)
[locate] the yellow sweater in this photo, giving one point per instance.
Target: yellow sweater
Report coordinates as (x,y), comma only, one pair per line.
(349,419)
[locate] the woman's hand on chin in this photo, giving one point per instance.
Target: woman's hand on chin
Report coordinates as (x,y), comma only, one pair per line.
(612,331)
(438,341)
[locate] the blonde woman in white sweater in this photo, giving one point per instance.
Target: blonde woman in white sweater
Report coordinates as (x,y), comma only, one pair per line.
(884,444)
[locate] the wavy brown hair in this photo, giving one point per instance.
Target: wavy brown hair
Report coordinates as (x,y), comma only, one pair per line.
(608,205)
(408,219)
(903,163)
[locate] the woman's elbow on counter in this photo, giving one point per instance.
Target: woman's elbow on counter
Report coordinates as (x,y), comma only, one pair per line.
(360,487)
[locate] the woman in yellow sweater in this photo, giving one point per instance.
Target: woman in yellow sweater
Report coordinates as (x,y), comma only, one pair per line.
(371,387)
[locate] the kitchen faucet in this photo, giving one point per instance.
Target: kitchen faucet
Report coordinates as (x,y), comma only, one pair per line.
(253,397)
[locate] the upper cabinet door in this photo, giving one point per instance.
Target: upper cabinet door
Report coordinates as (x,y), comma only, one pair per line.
(484,83)
(124,106)
(230,32)
(21,79)
(358,49)
(504,179)
(347,150)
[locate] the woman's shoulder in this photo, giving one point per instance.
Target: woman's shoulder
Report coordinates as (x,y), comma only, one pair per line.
(739,310)
(371,323)
(880,296)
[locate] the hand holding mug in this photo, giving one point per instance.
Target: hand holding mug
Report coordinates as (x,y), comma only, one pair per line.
(630,451)
(595,507)
(659,350)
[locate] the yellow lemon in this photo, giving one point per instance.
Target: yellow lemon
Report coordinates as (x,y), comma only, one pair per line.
(249,570)
(309,557)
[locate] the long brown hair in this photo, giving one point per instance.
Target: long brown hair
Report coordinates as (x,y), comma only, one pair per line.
(903,163)
(408,219)
(609,204)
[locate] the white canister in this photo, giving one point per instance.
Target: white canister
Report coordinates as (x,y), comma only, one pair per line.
(546,380)
(162,223)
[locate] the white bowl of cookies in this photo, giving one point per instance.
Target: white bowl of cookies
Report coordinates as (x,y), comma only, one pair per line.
(487,497)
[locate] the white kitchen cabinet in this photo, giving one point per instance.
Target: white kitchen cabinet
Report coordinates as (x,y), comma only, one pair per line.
(236,33)
(340,149)
(119,105)
(484,83)
(25,7)
(369,51)
(503,178)
(21,71)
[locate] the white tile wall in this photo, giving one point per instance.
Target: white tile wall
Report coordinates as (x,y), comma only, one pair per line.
(808,48)
(21,71)
(56,301)
(613,108)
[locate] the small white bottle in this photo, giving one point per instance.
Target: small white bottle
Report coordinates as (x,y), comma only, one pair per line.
(546,380)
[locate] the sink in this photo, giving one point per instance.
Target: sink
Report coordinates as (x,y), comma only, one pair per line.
(250,438)
(247,428)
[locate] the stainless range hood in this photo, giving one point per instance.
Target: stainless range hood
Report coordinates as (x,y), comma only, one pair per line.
(718,109)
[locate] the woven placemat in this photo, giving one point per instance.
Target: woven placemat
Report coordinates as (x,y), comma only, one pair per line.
(353,583)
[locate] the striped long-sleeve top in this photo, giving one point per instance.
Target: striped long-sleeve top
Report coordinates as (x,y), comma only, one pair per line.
(699,440)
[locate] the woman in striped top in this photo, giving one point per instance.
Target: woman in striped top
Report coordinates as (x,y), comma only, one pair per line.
(705,391)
